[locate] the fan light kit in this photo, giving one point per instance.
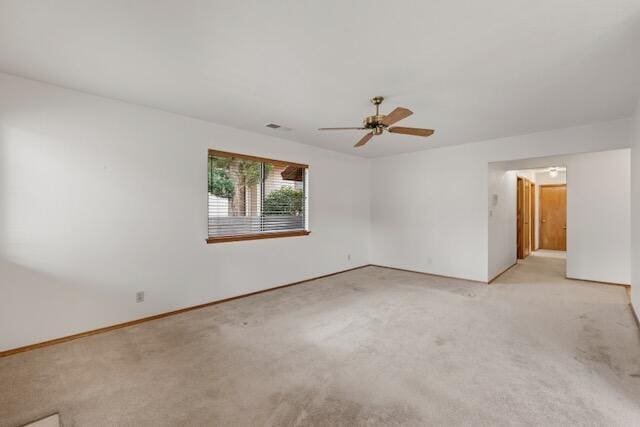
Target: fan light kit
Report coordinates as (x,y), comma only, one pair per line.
(378,123)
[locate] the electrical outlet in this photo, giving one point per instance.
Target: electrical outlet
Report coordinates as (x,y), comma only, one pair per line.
(348,257)
(140,296)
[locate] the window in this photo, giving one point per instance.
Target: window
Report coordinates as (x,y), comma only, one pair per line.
(255,198)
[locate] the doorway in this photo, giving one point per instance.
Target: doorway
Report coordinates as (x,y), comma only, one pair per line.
(525,218)
(541,211)
(553,217)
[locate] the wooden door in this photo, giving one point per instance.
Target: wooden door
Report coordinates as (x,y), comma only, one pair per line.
(519,217)
(553,217)
(526,213)
(532,218)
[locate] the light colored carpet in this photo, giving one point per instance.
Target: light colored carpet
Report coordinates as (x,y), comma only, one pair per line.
(372,346)
(550,253)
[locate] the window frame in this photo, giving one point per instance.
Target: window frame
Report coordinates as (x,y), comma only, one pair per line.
(264,235)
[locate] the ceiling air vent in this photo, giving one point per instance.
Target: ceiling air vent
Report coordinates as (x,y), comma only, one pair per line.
(277,126)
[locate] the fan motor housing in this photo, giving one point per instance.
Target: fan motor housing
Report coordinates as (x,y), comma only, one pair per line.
(374,123)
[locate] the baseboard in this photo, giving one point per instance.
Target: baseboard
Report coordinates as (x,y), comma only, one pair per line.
(157,316)
(428,274)
(502,272)
(635,314)
(599,282)
(53,419)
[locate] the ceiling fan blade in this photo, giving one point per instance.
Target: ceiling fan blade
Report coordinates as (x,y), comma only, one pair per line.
(364,140)
(361,128)
(411,131)
(396,115)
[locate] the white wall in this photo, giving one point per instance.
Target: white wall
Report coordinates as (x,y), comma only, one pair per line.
(598,213)
(502,227)
(100,199)
(635,213)
(430,209)
(599,217)
(529,174)
(543,178)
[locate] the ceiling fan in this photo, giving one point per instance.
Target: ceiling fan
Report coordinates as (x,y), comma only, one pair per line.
(378,123)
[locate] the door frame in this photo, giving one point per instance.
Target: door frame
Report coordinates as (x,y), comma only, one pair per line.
(533,219)
(565,213)
(524,246)
(526,209)
(519,218)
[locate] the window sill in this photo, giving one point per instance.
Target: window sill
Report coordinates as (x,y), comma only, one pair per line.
(273,235)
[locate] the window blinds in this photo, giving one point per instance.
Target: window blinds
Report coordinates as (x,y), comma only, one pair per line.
(251,196)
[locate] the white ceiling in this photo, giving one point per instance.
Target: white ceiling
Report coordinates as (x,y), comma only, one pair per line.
(472,70)
(561,169)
